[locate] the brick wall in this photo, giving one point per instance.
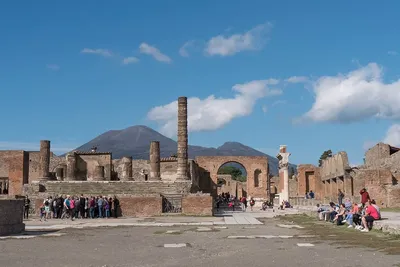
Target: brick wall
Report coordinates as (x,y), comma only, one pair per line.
(141,206)
(11,218)
(201,205)
(12,165)
(34,156)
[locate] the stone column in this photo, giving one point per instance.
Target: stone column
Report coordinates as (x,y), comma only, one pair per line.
(155,173)
(60,174)
(44,160)
(99,173)
(182,140)
(126,169)
(283,157)
(71,166)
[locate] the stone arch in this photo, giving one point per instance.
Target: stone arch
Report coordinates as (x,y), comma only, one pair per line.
(211,165)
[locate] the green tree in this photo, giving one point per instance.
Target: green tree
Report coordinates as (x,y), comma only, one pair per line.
(325,155)
(236,173)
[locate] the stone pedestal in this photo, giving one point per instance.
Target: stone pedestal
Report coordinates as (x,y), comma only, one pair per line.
(44,160)
(71,167)
(99,173)
(283,158)
(126,169)
(182,171)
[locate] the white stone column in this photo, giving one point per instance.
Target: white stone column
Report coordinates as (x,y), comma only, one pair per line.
(283,158)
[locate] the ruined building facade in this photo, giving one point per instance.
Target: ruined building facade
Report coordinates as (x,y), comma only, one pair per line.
(144,187)
(379,175)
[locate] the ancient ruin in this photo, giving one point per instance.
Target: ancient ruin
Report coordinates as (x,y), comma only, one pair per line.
(283,158)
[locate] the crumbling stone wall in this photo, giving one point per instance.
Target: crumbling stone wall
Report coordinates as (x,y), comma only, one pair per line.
(13,164)
(11,219)
(384,156)
(86,165)
(34,156)
(308,177)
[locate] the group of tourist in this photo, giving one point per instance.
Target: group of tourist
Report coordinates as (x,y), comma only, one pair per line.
(232,202)
(360,217)
(73,207)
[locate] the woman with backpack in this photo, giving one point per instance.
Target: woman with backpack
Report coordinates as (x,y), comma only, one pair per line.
(252,203)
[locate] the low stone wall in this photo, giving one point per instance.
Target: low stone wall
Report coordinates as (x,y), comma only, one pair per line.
(200,205)
(141,206)
(11,211)
(301,201)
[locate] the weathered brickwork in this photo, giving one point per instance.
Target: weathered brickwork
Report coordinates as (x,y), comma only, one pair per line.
(200,205)
(141,206)
(309,180)
(11,218)
(13,165)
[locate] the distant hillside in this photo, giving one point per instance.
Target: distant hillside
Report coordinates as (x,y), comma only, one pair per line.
(135,141)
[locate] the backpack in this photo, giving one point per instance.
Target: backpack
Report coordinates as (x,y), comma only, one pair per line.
(46,203)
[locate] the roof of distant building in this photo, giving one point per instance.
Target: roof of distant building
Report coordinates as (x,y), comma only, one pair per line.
(91,153)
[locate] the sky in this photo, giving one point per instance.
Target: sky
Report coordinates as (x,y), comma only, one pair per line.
(312,75)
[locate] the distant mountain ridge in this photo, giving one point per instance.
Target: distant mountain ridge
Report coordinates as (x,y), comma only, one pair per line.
(135,141)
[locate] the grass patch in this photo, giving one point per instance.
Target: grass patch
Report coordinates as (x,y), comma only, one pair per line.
(343,237)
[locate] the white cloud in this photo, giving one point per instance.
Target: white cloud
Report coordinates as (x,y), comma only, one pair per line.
(101,52)
(393,135)
(253,39)
(53,67)
(297,79)
(213,113)
(183,51)
(154,52)
(264,109)
(57,148)
(393,53)
(358,95)
(130,60)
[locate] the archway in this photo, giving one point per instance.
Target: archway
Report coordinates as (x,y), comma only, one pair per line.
(231,179)
(211,164)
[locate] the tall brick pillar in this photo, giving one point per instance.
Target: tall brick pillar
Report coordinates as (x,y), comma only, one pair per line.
(98,173)
(44,160)
(182,140)
(155,173)
(126,169)
(71,166)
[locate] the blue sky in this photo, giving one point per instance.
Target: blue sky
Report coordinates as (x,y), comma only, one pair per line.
(309,74)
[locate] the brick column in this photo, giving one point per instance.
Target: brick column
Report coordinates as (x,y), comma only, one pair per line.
(126,169)
(44,160)
(71,166)
(182,140)
(155,169)
(98,173)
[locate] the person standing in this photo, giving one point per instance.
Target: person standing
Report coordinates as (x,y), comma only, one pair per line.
(364,197)
(340,197)
(116,206)
(100,206)
(26,207)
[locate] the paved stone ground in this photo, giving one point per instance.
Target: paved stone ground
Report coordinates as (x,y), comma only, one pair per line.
(225,245)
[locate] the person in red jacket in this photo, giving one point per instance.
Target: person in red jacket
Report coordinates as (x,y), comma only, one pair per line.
(364,197)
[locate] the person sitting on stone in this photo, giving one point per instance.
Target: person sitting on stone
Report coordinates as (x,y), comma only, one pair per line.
(350,215)
(311,194)
(339,218)
(373,203)
(348,204)
(371,214)
(327,213)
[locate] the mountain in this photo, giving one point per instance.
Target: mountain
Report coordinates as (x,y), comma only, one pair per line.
(135,141)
